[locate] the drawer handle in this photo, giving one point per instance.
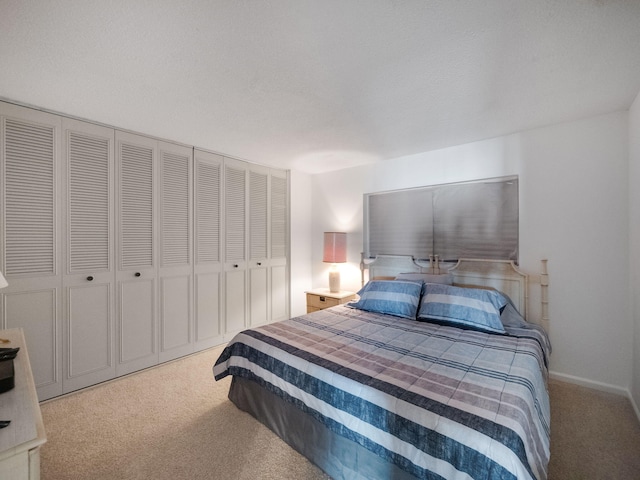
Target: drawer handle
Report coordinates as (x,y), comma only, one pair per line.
(323,299)
(137,274)
(90,278)
(259,263)
(235,266)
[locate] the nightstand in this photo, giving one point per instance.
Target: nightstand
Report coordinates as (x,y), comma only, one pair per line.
(321,298)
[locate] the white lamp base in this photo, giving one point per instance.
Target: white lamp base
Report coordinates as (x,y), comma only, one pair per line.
(334,281)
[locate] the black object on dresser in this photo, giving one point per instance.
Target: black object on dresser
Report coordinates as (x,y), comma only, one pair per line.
(7,381)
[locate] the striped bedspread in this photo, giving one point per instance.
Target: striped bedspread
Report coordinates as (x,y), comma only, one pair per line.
(437,401)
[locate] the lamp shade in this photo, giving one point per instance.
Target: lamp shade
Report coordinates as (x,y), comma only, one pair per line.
(3,281)
(335,247)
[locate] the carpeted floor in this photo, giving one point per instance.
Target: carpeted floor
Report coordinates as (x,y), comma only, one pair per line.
(594,435)
(174,422)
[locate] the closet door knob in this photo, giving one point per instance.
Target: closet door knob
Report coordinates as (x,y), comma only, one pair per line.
(90,278)
(137,274)
(235,266)
(259,263)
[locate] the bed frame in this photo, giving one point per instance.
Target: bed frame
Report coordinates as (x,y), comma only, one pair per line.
(502,275)
(340,457)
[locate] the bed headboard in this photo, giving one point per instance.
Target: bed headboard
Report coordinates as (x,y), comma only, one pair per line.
(389,266)
(502,275)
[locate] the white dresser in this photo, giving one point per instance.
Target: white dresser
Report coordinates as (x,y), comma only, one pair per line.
(20,442)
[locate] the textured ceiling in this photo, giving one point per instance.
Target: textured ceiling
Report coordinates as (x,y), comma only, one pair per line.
(323,84)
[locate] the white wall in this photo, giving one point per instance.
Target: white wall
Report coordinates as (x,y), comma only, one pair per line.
(634,239)
(574,210)
(301,223)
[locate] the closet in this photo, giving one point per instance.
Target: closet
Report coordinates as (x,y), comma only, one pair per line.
(136,276)
(31,233)
(255,239)
(124,251)
(235,257)
(88,252)
(208,246)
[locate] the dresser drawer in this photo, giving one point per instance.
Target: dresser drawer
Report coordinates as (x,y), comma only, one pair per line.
(321,301)
(322,298)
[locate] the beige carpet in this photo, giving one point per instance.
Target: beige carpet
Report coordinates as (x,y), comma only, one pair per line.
(594,435)
(174,422)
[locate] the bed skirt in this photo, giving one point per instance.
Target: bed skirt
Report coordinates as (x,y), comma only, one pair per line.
(337,456)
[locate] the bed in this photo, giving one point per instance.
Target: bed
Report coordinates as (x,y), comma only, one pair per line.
(387,389)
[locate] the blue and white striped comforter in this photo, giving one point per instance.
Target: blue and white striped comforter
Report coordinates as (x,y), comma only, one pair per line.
(437,401)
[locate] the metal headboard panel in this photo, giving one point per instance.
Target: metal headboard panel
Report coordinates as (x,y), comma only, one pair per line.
(389,266)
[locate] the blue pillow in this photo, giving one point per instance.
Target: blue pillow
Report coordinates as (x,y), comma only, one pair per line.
(393,297)
(472,308)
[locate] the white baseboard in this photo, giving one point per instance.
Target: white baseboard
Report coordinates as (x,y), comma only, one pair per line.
(584,382)
(604,387)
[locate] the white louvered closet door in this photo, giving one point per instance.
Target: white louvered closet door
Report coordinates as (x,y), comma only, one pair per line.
(236,215)
(208,258)
(259,219)
(137,336)
(30,238)
(89,276)
(278,245)
(176,257)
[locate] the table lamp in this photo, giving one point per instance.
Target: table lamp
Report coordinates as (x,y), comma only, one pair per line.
(335,251)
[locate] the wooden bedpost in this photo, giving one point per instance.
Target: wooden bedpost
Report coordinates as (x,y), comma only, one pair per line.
(544,295)
(362,269)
